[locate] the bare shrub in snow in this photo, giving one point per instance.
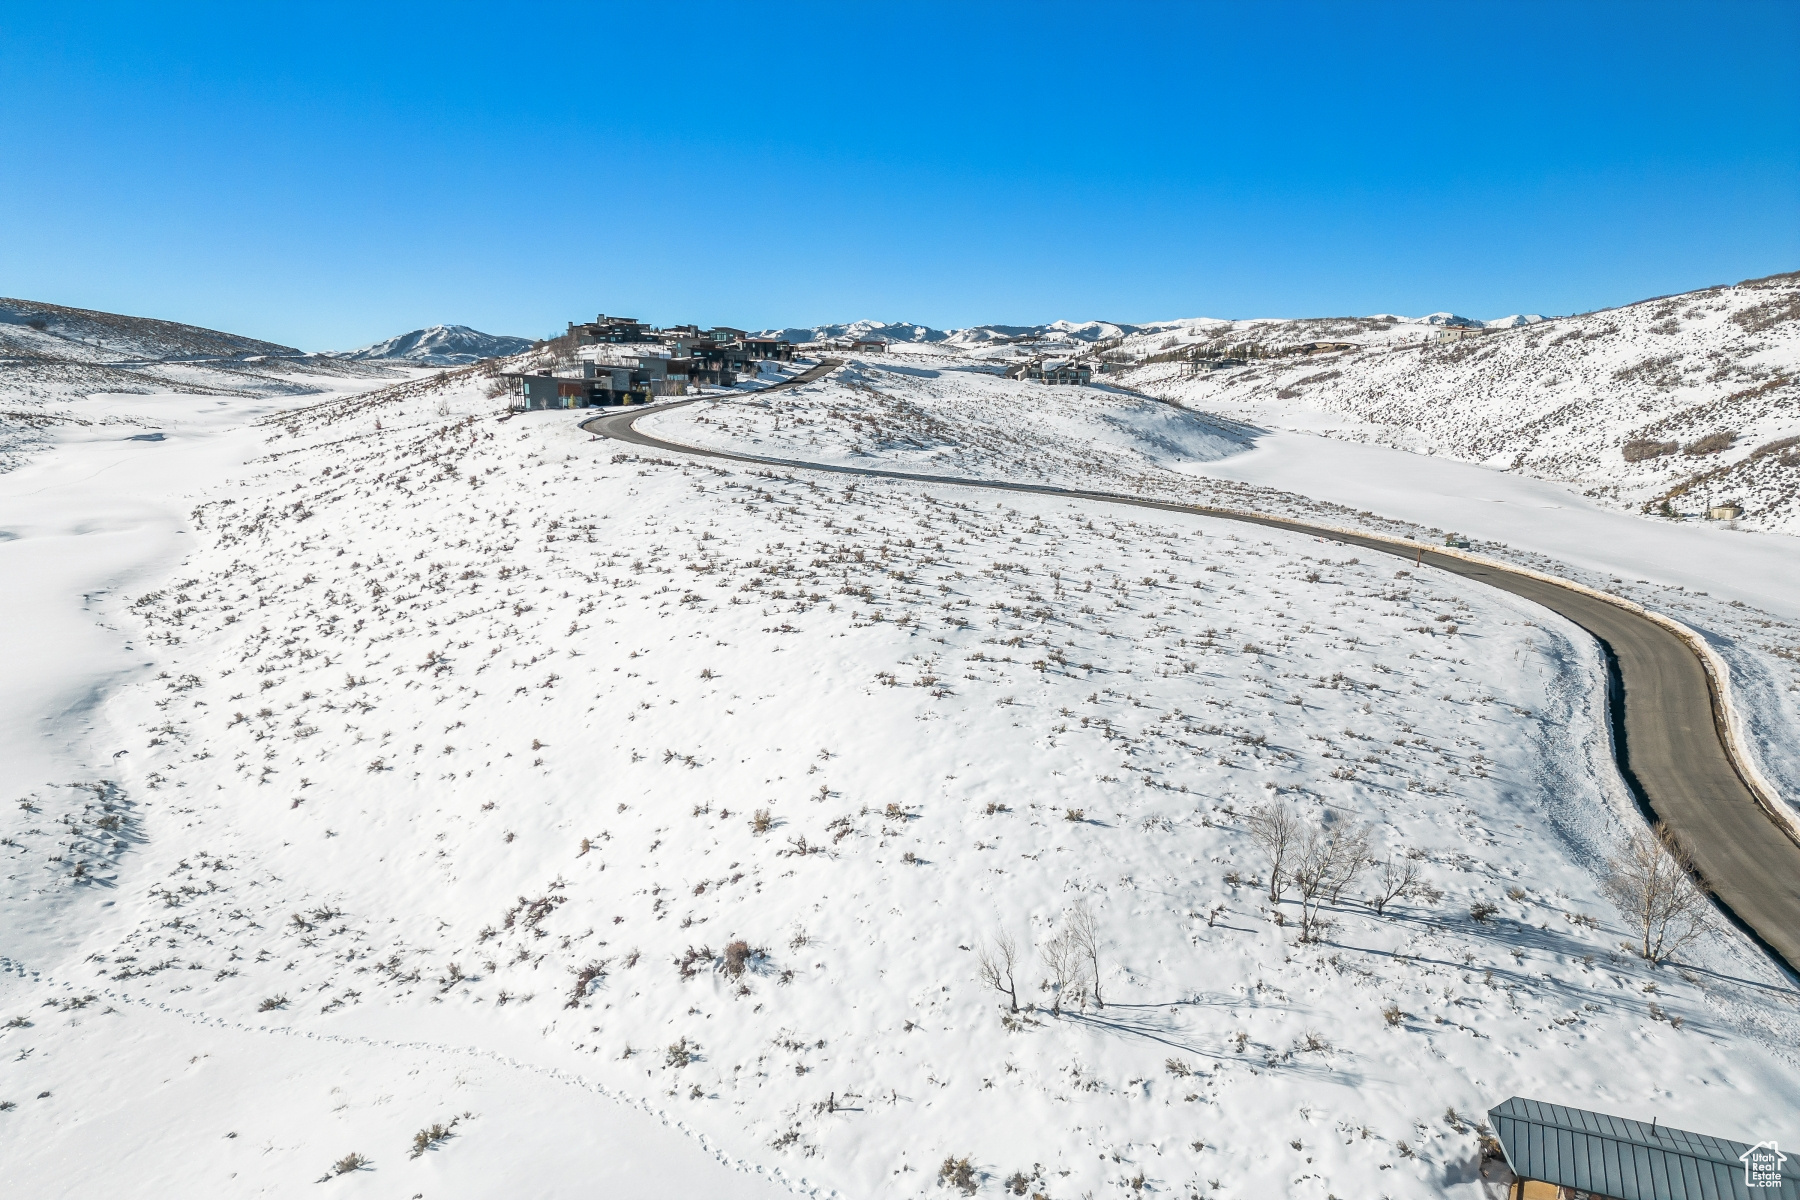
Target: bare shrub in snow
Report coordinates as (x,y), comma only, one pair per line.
(1276,831)
(583,978)
(350,1162)
(1652,883)
(958,1174)
(690,963)
(1393,882)
(1640,449)
(995,963)
(431,1135)
(738,957)
(1712,443)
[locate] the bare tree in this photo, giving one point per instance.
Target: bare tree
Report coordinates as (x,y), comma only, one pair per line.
(1325,862)
(1353,861)
(1652,883)
(1086,937)
(1275,830)
(1066,964)
(1394,882)
(996,961)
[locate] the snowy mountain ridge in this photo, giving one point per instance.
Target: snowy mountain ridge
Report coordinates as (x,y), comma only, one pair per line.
(441,346)
(1079,331)
(1686,400)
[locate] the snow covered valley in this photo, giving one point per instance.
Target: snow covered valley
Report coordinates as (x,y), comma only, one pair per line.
(642,823)
(1669,405)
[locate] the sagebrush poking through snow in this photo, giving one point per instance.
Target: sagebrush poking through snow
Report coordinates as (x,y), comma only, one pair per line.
(1026,865)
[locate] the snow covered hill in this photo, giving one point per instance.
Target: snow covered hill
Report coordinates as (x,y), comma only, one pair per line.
(29,328)
(51,355)
(474,751)
(441,346)
(1687,400)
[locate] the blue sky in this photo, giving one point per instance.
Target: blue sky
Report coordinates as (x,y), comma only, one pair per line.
(325,175)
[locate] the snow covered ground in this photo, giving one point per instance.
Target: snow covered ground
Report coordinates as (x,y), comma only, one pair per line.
(475,767)
(1689,400)
(937,410)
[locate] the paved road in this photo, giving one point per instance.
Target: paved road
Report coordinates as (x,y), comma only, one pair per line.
(1667,736)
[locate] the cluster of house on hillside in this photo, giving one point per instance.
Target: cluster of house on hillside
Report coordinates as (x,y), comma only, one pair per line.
(1218,358)
(621,360)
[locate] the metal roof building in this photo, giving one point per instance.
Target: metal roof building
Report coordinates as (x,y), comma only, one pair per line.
(1620,1159)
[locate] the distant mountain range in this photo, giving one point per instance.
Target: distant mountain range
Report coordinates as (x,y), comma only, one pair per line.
(441,346)
(1065,331)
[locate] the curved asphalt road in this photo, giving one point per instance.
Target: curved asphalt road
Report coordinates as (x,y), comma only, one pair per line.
(1667,730)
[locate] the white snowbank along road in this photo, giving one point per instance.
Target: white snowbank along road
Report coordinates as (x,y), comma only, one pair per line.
(708,786)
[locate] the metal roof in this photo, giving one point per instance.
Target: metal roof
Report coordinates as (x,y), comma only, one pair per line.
(1625,1159)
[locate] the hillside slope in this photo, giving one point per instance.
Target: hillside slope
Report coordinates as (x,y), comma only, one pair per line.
(1689,399)
(703,786)
(50,354)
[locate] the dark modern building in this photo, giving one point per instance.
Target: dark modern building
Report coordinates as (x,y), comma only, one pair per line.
(610,330)
(597,384)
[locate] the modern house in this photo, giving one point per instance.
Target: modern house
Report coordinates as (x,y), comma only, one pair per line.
(762,348)
(868,346)
(1560,1153)
(1053,371)
(610,330)
(597,384)
(1455,333)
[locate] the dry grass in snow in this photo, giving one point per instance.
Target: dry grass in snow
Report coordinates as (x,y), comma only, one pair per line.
(711,787)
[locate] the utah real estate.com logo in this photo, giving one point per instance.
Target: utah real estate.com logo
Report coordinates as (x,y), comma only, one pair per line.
(1762,1165)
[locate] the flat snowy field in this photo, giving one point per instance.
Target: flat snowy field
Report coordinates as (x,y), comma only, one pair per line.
(645,818)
